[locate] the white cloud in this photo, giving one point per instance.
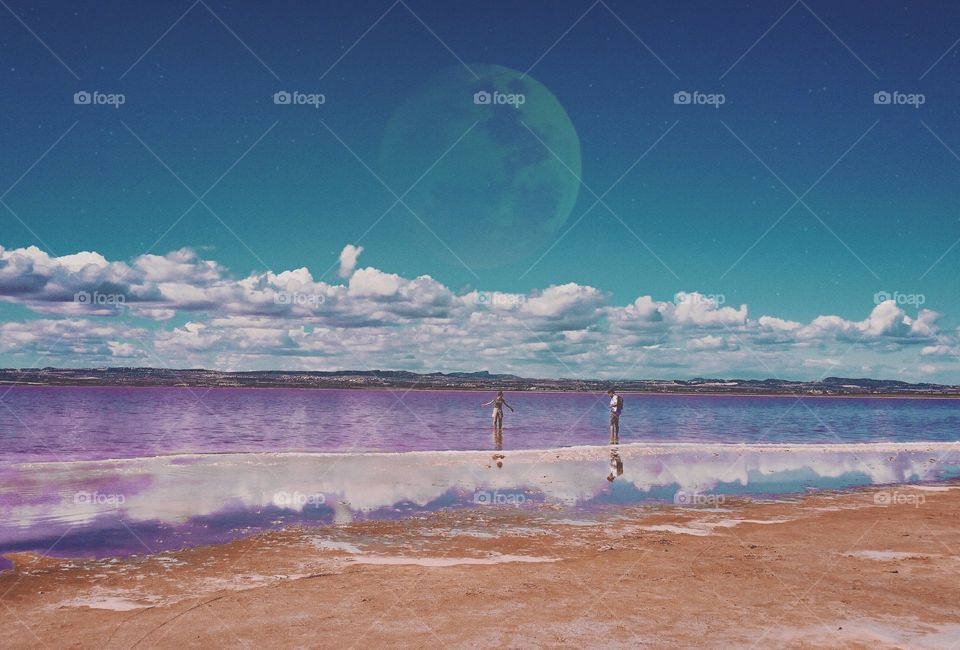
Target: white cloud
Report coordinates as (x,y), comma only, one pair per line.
(886,320)
(708,342)
(778,324)
(696,309)
(564,300)
(940,350)
(288,319)
(87,341)
(178,266)
(118,349)
(373,283)
(348,259)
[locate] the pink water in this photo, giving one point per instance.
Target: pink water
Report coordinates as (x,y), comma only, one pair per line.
(74,423)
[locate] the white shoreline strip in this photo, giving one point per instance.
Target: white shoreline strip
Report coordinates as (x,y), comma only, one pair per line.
(559,453)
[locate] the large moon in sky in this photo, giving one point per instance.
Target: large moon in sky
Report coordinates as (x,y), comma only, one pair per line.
(501,193)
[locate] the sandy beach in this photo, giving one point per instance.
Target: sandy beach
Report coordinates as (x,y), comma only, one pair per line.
(874,567)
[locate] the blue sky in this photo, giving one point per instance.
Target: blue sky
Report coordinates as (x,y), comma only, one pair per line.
(705,206)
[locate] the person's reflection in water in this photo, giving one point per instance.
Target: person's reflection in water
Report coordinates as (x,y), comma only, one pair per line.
(498,447)
(616,464)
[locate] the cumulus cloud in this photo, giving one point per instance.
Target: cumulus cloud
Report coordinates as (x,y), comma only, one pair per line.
(774,324)
(696,309)
(708,342)
(886,320)
(348,259)
(91,341)
(93,312)
(373,283)
(564,300)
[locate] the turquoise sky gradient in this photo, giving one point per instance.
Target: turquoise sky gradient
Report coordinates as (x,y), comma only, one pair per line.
(710,199)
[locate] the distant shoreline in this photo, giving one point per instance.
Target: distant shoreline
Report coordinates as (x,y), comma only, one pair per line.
(495,387)
(482,381)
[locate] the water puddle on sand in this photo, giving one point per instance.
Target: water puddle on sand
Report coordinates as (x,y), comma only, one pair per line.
(679,530)
(898,632)
(888,556)
(330,545)
(704,528)
(447,561)
(114,604)
(117,600)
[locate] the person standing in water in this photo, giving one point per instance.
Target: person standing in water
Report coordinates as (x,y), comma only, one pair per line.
(616,408)
(498,403)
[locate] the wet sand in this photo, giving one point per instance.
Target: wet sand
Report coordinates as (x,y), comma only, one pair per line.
(870,568)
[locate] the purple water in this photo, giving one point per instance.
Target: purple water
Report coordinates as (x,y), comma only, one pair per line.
(145,505)
(154,501)
(75,423)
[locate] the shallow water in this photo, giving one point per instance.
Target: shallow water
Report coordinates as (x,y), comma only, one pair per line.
(197,466)
(72,423)
(144,505)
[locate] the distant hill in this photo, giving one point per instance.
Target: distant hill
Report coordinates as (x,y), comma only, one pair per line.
(482,380)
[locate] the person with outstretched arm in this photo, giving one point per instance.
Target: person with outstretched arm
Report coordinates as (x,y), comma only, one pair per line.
(498,403)
(616,408)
